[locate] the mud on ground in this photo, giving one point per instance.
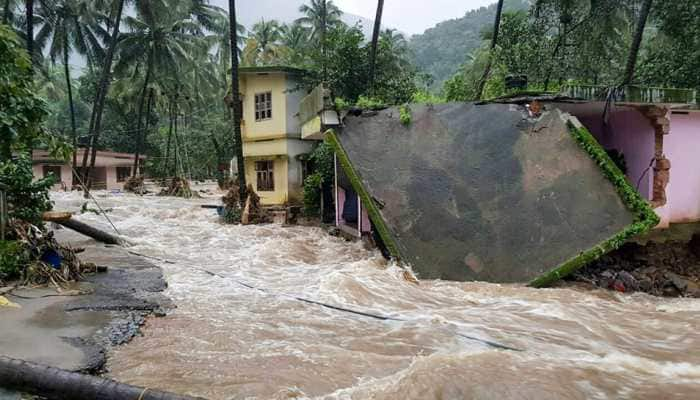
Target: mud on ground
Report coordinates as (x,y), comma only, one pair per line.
(74,329)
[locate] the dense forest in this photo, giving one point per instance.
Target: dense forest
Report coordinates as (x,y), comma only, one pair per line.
(441,50)
(158,71)
(170,71)
(601,42)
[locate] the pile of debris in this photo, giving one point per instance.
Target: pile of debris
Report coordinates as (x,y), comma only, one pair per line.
(179,187)
(42,260)
(669,269)
(251,213)
(135,185)
(227,183)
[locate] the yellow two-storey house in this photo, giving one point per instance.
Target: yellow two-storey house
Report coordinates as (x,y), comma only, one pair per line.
(273,149)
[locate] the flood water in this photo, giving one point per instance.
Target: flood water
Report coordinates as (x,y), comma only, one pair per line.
(228,341)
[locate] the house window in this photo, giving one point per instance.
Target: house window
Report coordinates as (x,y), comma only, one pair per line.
(52,169)
(123,173)
(265,175)
(263,106)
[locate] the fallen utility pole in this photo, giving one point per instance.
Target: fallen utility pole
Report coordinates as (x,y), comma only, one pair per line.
(53,383)
(66,220)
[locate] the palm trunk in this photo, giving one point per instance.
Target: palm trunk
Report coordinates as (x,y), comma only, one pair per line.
(324,19)
(494,42)
(637,42)
(237,137)
(30,29)
(142,104)
(176,149)
(98,107)
(54,383)
(375,41)
(170,135)
(71,105)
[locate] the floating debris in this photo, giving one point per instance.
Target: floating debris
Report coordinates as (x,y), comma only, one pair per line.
(135,184)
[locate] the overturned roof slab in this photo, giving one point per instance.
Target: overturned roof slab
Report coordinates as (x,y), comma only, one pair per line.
(484,192)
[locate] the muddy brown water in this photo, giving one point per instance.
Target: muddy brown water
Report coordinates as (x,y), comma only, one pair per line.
(227,341)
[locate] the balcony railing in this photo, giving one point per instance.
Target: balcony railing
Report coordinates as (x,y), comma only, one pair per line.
(632,94)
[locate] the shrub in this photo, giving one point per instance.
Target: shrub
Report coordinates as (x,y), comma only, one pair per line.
(312,194)
(12,259)
(27,199)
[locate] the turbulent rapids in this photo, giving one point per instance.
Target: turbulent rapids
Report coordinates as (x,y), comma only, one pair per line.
(228,341)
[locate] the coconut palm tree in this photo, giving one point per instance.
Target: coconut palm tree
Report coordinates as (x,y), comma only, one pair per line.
(99,104)
(295,41)
(159,38)
(265,45)
(68,25)
(320,16)
(29,10)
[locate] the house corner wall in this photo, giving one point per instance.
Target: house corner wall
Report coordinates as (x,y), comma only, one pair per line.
(682,148)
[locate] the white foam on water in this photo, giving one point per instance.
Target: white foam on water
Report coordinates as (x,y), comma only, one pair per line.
(227,341)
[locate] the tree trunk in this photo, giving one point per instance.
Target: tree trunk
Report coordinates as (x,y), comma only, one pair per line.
(87,230)
(494,42)
(170,135)
(375,41)
(637,42)
(30,29)
(237,137)
(139,123)
(98,107)
(54,383)
(324,20)
(71,105)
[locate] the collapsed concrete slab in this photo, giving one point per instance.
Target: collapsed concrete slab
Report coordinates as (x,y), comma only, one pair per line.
(487,192)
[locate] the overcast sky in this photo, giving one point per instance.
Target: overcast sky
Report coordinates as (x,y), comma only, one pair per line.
(412,16)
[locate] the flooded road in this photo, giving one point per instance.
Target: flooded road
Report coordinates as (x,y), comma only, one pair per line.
(228,341)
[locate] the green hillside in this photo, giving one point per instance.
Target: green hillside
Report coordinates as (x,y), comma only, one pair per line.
(442,49)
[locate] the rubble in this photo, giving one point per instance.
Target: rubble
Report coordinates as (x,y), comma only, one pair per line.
(46,261)
(662,269)
(135,185)
(179,187)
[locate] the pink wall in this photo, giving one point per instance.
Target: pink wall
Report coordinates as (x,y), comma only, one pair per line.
(682,147)
(631,133)
(366,225)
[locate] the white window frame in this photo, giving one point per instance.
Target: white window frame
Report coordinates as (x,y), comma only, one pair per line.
(263,106)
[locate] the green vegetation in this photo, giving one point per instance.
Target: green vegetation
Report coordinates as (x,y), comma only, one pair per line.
(558,42)
(321,161)
(405,115)
(441,50)
(645,217)
(13,258)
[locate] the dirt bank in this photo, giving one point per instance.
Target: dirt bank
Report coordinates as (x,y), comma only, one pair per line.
(74,329)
